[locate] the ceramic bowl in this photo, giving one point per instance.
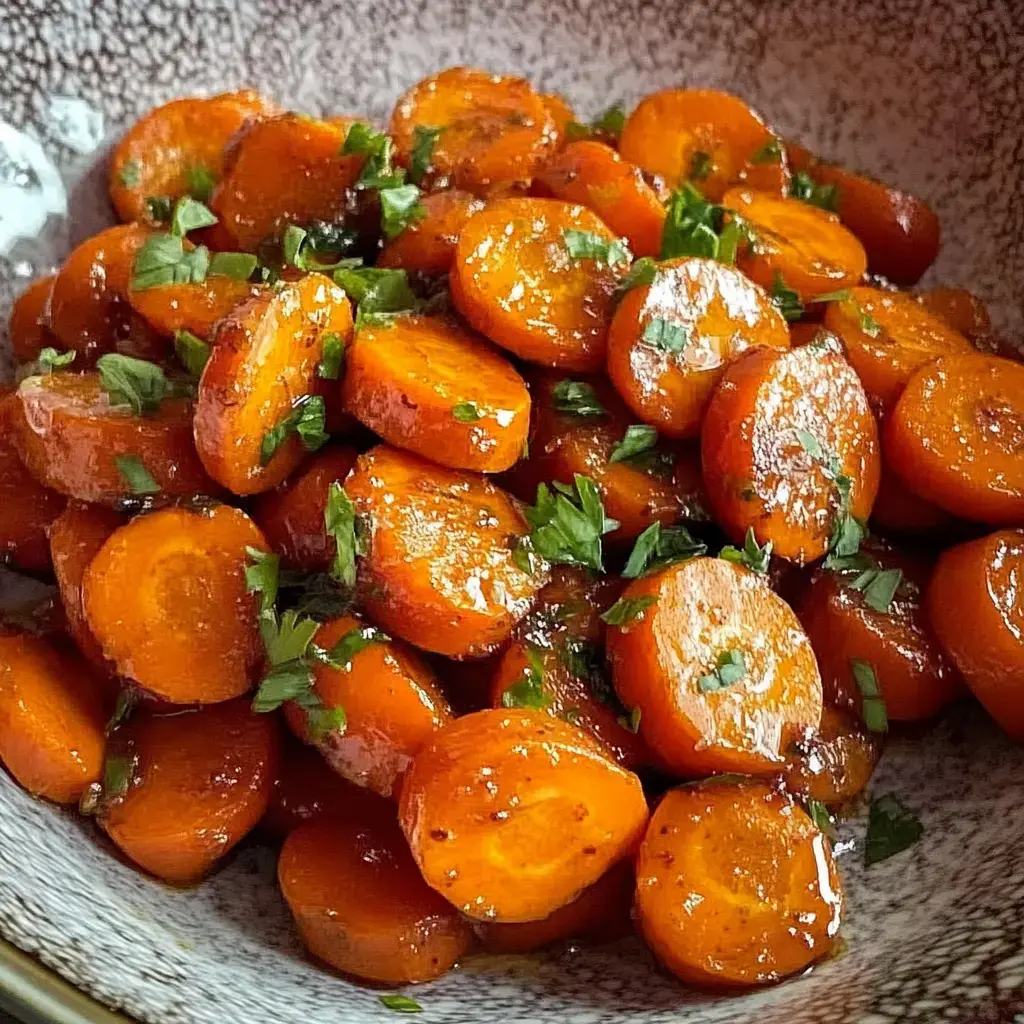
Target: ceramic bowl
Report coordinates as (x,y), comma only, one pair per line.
(928,95)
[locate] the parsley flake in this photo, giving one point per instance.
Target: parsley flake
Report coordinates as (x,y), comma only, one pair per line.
(872,705)
(701,165)
(342,523)
(306,420)
(236,265)
(378,170)
(192,352)
(424,139)
(642,272)
(163,259)
(466,412)
(892,828)
(159,208)
(331,356)
(628,609)
(201,183)
(730,667)
(376,291)
(400,1003)
(803,187)
(822,819)
(751,555)
(668,335)
(261,576)
(354,641)
(639,438)
(49,359)
(769,153)
(878,587)
(786,299)
(576,398)
(529,691)
(137,383)
(399,207)
(190,215)
(585,245)
(135,475)
(659,546)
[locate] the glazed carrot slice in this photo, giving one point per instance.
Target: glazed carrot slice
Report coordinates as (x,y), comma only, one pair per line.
(636,491)
(494,128)
(725,694)
(187,630)
(439,572)
(52,716)
(897,509)
(561,318)
(424,384)
(30,318)
(735,885)
(781,429)
(291,516)
(177,150)
(833,763)
(974,605)
(555,663)
(283,170)
(594,175)
(956,437)
(887,336)
(428,245)
(881,625)
(263,365)
(76,536)
(516,842)
(961,309)
(191,307)
(899,232)
(705,136)
(74,440)
(804,246)
(561,113)
(360,904)
(391,700)
(671,340)
(89,310)
(185,786)
(599,914)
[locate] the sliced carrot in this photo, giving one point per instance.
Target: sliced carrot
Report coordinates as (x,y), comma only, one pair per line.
(89,310)
(425,384)
(594,175)
(176,150)
(956,437)
(974,605)
(897,509)
(392,704)
(440,571)
(961,309)
(166,598)
(546,817)
(30,318)
(887,337)
(427,245)
(52,716)
(291,516)
(191,784)
(555,663)
(561,317)
(360,904)
(705,136)
(495,128)
(561,113)
(671,340)
(899,232)
(721,695)
(735,885)
(191,307)
(73,440)
(599,914)
(264,360)
(849,629)
(781,429)
(805,247)
(76,536)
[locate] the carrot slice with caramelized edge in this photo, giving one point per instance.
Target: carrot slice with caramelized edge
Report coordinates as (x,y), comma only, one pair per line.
(561,317)
(735,885)
(494,128)
(956,437)
(360,904)
(725,695)
(89,310)
(512,814)
(899,232)
(280,171)
(803,246)
(391,700)
(176,150)
(30,319)
(974,605)
(292,515)
(182,788)
(888,336)
(427,245)
(73,440)
(594,175)
(76,536)
(52,716)
(187,633)
(191,307)
(962,310)
(790,450)
(439,571)
(710,138)
(671,340)
(263,365)
(425,384)
(555,663)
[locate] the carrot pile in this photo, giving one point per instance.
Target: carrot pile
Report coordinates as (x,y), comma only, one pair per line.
(530,523)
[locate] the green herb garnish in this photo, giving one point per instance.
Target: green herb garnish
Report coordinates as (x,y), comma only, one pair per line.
(130,174)
(730,667)
(192,352)
(769,153)
(399,207)
(872,705)
(824,196)
(627,609)
(306,420)
(342,523)
(135,475)
(878,587)
(821,818)
(49,359)
(163,259)
(642,272)
(400,1004)
(787,300)
(701,165)
(201,183)
(261,576)
(751,555)
(466,412)
(609,124)
(424,139)
(331,356)
(892,828)
(659,546)
(236,265)
(529,691)
(668,335)
(159,208)
(376,292)
(190,215)
(378,170)
(133,382)
(576,398)
(585,245)
(638,439)
(354,641)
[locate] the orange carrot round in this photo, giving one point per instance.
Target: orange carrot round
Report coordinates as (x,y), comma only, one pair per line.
(191,307)
(561,113)
(427,245)
(30,319)
(962,310)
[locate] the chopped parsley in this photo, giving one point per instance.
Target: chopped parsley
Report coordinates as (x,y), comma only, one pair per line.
(892,828)
(730,667)
(659,546)
(354,641)
(135,475)
(769,153)
(878,586)
(189,215)
(642,272)
(306,420)
(872,705)
(399,207)
(301,248)
(803,187)
(378,170)
(638,439)
(331,356)
(350,536)
(49,359)
(400,1003)
(787,300)
(130,174)
(159,208)
(821,818)
(608,125)
(576,398)
(628,609)
(668,335)
(701,165)
(201,183)
(424,139)
(752,555)
(529,691)
(192,352)
(377,292)
(236,265)
(466,412)
(163,259)
(585,245)
(137,383)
